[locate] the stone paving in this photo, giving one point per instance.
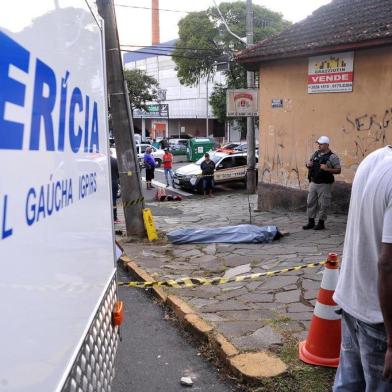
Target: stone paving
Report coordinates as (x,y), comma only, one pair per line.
(252,315)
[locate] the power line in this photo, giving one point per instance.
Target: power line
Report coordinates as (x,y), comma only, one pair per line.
(150,8)
(169,54)
(155,47)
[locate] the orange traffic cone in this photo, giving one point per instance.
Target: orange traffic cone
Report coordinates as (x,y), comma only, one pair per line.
(322,346)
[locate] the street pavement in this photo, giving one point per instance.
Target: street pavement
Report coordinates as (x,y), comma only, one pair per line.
(153,354)
(253,315)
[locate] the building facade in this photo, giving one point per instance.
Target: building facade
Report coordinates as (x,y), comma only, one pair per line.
(330,74)
(188,107)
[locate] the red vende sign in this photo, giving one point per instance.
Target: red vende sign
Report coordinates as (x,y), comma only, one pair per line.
(330,78)
(333,72)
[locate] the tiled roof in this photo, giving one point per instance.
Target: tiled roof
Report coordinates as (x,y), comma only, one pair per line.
(339,24)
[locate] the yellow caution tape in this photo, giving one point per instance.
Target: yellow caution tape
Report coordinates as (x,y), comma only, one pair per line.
(133,202)
(192,282)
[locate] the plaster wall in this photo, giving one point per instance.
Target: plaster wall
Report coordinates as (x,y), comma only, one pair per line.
(357,122)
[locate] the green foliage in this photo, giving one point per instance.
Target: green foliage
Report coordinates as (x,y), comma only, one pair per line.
(204,38)
(205,30)
(196,30)
(142,88)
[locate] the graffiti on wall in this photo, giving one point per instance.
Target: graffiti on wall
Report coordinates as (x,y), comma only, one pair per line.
(280,164)
(369,131)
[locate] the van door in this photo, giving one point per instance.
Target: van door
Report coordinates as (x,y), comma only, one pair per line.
(223,170)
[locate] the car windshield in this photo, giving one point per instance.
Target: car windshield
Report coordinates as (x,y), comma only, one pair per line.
(214,157)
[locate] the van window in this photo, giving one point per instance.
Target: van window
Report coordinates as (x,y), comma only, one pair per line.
(239,161)
(226,163)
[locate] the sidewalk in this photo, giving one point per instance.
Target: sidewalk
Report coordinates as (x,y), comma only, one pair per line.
(256,316)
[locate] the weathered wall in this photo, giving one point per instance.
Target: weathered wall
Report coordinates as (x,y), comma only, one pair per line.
(357,122)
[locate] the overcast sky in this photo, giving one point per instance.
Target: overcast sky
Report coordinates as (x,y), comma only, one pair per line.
(134,24)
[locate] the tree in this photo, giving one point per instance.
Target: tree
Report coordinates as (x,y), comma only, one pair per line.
(142,88)
(204,41)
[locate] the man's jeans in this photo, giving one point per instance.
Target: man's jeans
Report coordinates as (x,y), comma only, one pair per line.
(169,173)
(361,357)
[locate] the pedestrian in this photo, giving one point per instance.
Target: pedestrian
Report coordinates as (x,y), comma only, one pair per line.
(168,167)
(149,164)
(207,171)
(115,185)
(322,166)
(164,143)
(364,288)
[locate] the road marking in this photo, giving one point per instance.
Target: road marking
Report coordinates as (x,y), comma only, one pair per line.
(162,185)
(159,170)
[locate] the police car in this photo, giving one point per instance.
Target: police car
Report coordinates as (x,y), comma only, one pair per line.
(229,167)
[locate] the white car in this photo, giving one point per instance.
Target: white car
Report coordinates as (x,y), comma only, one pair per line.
(157,153)
(228,168)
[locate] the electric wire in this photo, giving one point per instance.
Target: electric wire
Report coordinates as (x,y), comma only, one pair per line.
(170,54)
(158,47)
(151,8)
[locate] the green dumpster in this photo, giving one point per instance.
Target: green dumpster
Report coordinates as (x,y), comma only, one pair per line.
(197,147)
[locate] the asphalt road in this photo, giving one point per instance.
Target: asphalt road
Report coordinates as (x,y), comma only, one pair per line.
(154,354)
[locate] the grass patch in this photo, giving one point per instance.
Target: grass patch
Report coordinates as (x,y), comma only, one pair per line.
(278,321)
(300,377)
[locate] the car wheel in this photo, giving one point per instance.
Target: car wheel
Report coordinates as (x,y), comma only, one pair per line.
(158,162)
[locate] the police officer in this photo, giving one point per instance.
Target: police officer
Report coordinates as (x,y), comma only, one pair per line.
(322,167)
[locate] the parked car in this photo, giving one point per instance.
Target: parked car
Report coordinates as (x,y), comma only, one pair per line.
(229,167)
(243,147)
(141,149)
(178,146)
(157,153)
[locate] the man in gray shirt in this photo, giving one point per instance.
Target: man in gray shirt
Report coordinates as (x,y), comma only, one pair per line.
(322,166)
(364,288)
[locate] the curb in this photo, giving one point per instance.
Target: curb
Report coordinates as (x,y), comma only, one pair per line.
(250,367)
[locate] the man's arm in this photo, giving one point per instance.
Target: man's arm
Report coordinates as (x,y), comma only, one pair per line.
(385,295)
(332,166)
(330,169)
(309,163)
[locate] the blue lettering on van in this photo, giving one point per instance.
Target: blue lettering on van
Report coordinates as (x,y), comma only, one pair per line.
(43,201)
(75,138)
(47,85)
(43,106)
(11,91)
(5,230)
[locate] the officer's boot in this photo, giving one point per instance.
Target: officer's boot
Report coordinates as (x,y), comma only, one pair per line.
(310,224)
(320,225)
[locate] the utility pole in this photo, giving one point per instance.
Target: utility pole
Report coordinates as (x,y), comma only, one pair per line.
(128,165)
(250,130)
(207,130)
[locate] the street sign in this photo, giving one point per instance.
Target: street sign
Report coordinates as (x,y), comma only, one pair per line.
(154,110)
(242,103)
(164,110)
(277,103)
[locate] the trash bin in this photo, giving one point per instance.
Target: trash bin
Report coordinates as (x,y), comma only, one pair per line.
(197,147)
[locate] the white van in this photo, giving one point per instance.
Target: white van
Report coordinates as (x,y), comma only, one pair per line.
(58,265)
